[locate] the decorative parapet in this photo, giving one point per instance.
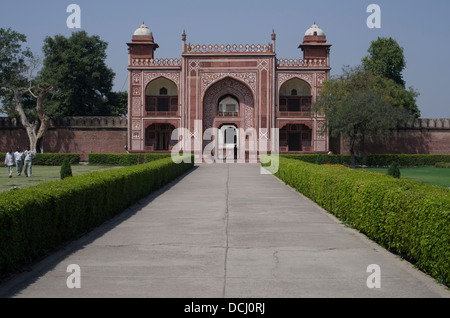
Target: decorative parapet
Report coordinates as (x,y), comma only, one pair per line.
(228,49)
(298,63)
(431,123)
(89,122)
(156,63)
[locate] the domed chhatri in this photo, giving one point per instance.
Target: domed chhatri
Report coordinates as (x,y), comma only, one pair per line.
(314,30)
(142,43)
(143,30)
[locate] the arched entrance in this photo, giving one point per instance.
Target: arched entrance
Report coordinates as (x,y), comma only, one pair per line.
(228,142)
(158,137)
(295,138)
(228,106)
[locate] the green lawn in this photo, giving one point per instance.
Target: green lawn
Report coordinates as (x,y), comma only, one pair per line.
(428,175)
(42,174)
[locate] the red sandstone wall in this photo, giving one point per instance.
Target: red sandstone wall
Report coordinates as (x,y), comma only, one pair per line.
(63,140)
(404,142)
(85,141)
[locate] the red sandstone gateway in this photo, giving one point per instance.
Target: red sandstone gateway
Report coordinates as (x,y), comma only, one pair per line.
(229,87)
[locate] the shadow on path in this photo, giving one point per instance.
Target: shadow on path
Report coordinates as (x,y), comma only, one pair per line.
(27,275)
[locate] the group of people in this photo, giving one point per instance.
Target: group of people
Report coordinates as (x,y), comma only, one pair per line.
(21,159)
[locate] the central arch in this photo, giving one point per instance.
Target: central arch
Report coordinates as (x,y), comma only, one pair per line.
(241,116)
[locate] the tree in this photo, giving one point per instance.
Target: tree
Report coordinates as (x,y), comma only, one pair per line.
(17,67)
(118,103)
(394,170)
(77,66)
(356,106)
(66,169)
(386,59)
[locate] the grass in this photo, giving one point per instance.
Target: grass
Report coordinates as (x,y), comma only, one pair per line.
(43,174)
(428,175)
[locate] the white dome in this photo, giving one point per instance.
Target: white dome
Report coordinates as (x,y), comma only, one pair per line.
(314,30)
(142,30)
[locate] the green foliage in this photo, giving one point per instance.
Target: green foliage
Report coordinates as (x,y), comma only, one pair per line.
(383,160)
(442,164)
(51,159)
(118,103)
(66,169)
(77,66)
(13,59)
(386,59)
(405,160)
(408,218)
(357,105)
(394,170)
(34,220)
(319,159)
(125,159)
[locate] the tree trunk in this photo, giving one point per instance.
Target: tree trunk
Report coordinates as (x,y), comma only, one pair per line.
(361,146)
(352,152)
(35,135)
(30,128)
(44,119)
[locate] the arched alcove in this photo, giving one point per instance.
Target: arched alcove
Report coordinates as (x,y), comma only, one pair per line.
(295,96)
(161,96)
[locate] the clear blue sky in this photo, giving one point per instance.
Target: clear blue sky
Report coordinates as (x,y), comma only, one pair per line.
(421,27)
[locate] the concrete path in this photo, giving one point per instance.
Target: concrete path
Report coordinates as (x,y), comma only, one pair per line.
(223,230)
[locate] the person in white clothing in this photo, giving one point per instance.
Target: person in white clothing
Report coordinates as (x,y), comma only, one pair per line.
(18,158)
(29,156)
(9,162)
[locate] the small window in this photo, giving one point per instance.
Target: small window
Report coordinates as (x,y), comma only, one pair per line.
(294,92)
(163,91)
(315,32)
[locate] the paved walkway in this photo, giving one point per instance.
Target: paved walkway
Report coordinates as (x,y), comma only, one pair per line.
(223,230)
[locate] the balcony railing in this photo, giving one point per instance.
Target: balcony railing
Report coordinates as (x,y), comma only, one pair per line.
(228,114)
(162,113)
(295,63)
(152,148)
(156,62)
(287,114)
(305,149)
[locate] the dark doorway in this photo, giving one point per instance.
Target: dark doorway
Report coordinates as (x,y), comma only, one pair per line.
(294,142)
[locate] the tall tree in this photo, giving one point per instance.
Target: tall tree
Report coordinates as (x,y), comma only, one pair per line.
(118,103)
(386,59)
(17,69)
(77,66)
(357,104)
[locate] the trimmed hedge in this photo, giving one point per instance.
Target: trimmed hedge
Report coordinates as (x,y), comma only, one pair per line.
(374,160)
(124,159)
(50,159)
(34,220)
(408,218)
